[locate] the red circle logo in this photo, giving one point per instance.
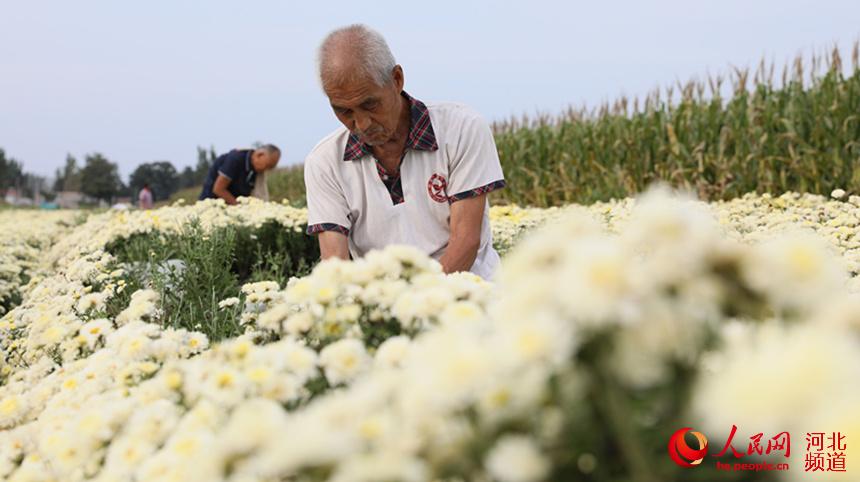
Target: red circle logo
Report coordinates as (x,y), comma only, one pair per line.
(436,188)
(682,454)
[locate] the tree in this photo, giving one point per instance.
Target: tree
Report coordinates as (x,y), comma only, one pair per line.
(11,173)
(204,162)
(69,178)
(31,184)
(100,178)
(58,180)
(161,177)
(187,178)
(194,176)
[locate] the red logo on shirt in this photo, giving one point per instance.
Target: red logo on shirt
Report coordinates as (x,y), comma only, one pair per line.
(436,188)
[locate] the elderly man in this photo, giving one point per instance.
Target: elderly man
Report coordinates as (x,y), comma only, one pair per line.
(400,171)
(235,174)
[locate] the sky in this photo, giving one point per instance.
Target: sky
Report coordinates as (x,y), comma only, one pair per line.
(150,81)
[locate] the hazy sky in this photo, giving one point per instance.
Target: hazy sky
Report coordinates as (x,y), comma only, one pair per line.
(146,81)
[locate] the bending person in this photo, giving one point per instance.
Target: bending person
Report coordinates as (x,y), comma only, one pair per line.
(236,173)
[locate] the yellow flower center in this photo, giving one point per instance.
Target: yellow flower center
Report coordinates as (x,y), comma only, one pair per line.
(8,406)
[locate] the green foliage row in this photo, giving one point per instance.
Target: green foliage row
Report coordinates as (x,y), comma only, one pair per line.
(194,270)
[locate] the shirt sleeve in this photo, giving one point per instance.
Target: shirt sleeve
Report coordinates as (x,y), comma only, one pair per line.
(327,207)
(475,168)
(233,165)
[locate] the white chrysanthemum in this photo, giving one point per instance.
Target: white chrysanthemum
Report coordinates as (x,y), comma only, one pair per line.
(53,334)
(462,312)
(260,287)
(187,455)
(300,360)
(224,385)
(95,330)
(272,318)
(380,465)
(281,388)
(842,313)
(91,301)
(299,290)
(644,350)
(791,370)
(143,305)
(253,425)
(383,292)
(451,365)
(516,458)
(153,422)
(228,302)
(674,233)
(538,339)
(400,261)
(392,351)
(795,271)
(420,304)
(13,407)
(299,323)
(344,360)
(193,343)
(585,279)
(65,450)
(512,395)
(349,313)
(124,456)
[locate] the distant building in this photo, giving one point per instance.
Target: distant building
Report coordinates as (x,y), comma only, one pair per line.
(11,195)
(15,198)
(68,199)
(72,199)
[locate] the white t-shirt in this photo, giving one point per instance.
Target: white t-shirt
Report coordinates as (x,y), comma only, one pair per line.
(450,156)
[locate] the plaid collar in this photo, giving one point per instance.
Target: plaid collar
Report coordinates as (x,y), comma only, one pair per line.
(421,136)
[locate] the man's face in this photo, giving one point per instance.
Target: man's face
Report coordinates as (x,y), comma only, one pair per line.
(366,109)
(262,160)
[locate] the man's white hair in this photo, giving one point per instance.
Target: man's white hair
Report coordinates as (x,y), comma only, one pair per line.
(371,54)
(270,149)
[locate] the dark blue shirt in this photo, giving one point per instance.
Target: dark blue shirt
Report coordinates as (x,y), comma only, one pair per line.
(235,166)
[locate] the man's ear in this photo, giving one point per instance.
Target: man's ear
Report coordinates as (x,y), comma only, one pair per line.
(397,77)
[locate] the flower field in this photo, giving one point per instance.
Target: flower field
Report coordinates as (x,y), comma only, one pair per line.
(204,342)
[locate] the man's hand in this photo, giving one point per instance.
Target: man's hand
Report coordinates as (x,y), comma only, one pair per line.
(466,218)
(220,189)
(333,245)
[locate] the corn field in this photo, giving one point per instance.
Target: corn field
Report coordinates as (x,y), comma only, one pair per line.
(720,138)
